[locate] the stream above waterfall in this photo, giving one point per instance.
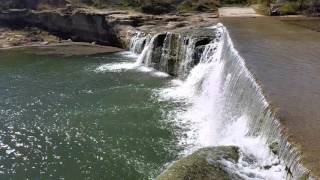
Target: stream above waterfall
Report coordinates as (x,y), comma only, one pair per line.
(285,60)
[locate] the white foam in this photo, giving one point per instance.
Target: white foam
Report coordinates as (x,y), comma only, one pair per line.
(129,54)
(144,69)
(125,66)
(151,71)
(9,151)
(116,67)
(160,74)
(236,135)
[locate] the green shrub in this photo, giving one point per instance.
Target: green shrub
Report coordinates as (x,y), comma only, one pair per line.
(185,6)
(197,5)
(289,8)
(234,2)
(158,8)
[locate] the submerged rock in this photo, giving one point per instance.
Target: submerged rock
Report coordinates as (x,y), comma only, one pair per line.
(274,147)
(206,163)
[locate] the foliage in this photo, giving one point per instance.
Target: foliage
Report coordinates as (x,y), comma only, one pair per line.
(197,5)
(105,3)
(234,2)
(285,7)
(289,8)
(31,4)
(147,5)
(158,8)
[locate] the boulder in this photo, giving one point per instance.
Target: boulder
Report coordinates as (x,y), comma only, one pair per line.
(204,164)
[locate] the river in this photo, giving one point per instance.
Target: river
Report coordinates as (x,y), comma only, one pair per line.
(82,117)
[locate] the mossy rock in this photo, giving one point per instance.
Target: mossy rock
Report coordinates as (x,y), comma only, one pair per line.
(204,164)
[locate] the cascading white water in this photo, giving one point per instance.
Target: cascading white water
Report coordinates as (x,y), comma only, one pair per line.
(146,53)
(138,42)
(212,122)
(186,52)
(225,106)
(166,52)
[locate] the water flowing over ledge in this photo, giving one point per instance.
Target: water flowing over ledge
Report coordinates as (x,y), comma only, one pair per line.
(226,105)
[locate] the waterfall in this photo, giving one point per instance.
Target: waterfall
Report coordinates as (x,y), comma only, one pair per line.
(186,53)
(243,97)
(138,42)
(224,104)
(168,52)
(145,56)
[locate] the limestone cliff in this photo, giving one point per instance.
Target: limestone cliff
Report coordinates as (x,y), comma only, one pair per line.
(105,27)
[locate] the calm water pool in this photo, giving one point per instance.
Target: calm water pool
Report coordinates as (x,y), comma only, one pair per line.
(68,118)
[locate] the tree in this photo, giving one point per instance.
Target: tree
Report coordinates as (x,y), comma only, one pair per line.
(301,5)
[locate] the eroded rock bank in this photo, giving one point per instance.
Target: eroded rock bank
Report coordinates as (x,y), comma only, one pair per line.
(75,25)
(112,28)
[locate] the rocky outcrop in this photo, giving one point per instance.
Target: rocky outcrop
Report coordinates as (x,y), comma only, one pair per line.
(76,25)
(207,163)
(113,28)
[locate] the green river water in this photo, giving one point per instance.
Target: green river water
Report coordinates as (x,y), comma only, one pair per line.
(61,118)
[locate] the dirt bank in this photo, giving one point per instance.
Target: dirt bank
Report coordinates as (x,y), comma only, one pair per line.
(25,37)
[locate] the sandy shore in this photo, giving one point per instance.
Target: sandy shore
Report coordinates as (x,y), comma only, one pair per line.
(27,38)
(238,12)
(67,48)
